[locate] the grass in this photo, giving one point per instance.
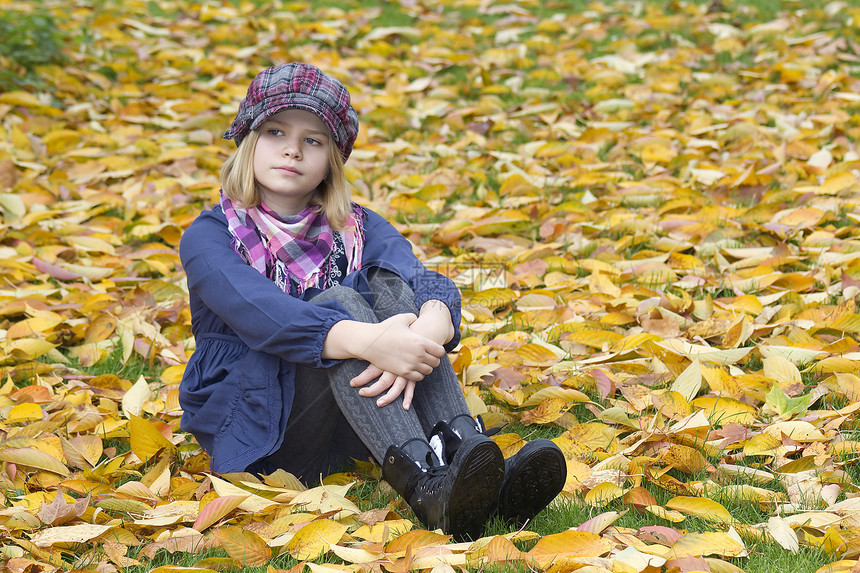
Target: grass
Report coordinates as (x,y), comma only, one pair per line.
(134,368)
(30,40)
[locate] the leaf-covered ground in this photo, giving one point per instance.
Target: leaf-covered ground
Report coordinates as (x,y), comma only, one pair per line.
(650,209)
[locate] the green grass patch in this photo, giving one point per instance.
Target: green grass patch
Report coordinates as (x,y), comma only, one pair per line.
(29,40)
(134,368)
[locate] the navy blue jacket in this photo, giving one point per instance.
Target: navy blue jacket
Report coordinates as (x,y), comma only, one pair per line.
(238,386)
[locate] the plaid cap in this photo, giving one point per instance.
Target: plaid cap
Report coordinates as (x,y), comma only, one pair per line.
(300,86)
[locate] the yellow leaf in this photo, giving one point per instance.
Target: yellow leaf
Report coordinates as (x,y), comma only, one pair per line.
(383,531)
(39,322)
(252,503)
(802,218)
(762,445)
(31,457)
(749,493)
(689,382)
(60,140)
(837,183)
(85,449)
(69,534)
(704,353)
(409,205)
(658,152)
(132,402)
(672,404)
(328,568)
(244,546)
(710,543)
(515,185)
(797,430)
(721,411)
(29,348)
(415,540)
(505,221)
(707,509)
(755,475)
(26,412)
(101,328)
(603,493)
(617,415)
(599,283)
(502,550)
(595,338)
(780,369)
(668,515)
(546,412)
(173,374)
(510,443)
(216,510)
(684,459)
(566,394)
(569,544)
(721,382)
(493,298)
(537,355)
(145,439)
(13,206)
(24,99)
(180,569)
(738,333)
(746,303)
(354,554)
(313,540)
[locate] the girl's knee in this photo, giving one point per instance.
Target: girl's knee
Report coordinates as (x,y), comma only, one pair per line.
(350,299)
(391,294)
(385,280)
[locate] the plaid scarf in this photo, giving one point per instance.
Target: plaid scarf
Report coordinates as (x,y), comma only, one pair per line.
(296,247)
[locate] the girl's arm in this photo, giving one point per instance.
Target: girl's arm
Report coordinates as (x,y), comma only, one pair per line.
(385,247)
(433,323)
(435,295)
(390,346)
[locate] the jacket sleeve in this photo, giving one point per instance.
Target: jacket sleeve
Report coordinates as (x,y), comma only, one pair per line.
(385,247)
(261,314)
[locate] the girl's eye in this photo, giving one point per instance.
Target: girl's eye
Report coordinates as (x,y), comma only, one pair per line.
(274,131)
(311,141)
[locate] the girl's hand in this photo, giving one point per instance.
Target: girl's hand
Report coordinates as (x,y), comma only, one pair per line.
(389,345)
(395,385)
(434,322)
(392,346)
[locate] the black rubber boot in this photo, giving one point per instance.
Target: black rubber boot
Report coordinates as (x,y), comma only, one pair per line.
(456,497)
(534,476)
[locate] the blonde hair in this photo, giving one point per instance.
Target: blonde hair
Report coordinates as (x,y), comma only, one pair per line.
(332,197)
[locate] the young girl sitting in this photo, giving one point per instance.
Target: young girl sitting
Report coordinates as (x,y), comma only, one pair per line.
(321,338)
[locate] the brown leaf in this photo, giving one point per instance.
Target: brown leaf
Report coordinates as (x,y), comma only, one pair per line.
(60,512)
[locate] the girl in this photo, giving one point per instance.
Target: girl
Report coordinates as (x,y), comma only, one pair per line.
(321,337)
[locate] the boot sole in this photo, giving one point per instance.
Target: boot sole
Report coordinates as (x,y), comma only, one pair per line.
(477,469)
(535,480)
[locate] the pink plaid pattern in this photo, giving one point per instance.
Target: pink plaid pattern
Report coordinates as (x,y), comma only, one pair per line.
(297,247)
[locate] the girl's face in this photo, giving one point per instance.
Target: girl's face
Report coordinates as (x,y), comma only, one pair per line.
(291,159)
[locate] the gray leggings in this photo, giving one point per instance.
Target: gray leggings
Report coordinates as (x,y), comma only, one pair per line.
(330,423)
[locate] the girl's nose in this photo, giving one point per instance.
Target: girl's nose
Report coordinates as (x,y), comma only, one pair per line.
(291,150)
